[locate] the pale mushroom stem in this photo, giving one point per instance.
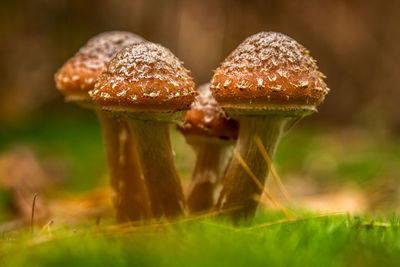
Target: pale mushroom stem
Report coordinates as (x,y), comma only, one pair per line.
(210,161)
(129,193)
(157,161)
(240,194)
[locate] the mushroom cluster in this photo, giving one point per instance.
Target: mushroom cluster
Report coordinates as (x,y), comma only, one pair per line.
(75,79)
(139,89)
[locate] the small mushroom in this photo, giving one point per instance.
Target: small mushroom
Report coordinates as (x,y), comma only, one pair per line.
(147,85)
(268,82)
(211,134)
(74,80)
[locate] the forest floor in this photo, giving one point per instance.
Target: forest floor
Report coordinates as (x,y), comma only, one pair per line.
(344,182)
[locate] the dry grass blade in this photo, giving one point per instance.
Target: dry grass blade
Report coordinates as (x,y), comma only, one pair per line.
(255,180)
(152,225)
(379,224)
(273,171)
(292,220)
(33,212)
(47,227)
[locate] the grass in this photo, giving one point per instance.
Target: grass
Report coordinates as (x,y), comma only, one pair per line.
(329,156)
(310,241)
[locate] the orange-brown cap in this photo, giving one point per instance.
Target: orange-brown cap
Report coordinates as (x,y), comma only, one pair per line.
(206,118)
(79,73)
(144,77)
(269,72)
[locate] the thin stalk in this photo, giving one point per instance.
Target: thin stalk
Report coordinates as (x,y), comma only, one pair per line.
(157,161)
(261,186)
(273,171)
(238,188)
(130,197)
(207,171)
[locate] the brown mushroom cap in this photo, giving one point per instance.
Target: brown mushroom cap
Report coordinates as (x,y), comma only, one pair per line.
(269,71)
(79,73)
(206,118)
(144,77)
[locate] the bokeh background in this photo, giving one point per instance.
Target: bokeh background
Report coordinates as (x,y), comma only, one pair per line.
(344,157)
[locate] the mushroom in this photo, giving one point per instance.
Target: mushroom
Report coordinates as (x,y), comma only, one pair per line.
(147,85)
(211,134)
(75,79)
(268,82)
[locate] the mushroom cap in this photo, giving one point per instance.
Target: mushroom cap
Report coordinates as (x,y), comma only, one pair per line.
(79,74)
(206,118)
(144,77)
(269,72)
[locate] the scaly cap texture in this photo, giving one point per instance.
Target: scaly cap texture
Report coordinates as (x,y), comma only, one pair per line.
(206,118)
(146,77)
(78,75)
(269,68)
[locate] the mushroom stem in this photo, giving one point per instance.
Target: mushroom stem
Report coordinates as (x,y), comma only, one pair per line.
(130,197)
(240,193)
(157,161)
(208,168)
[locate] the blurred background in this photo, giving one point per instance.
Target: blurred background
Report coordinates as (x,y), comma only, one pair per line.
(345,157)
